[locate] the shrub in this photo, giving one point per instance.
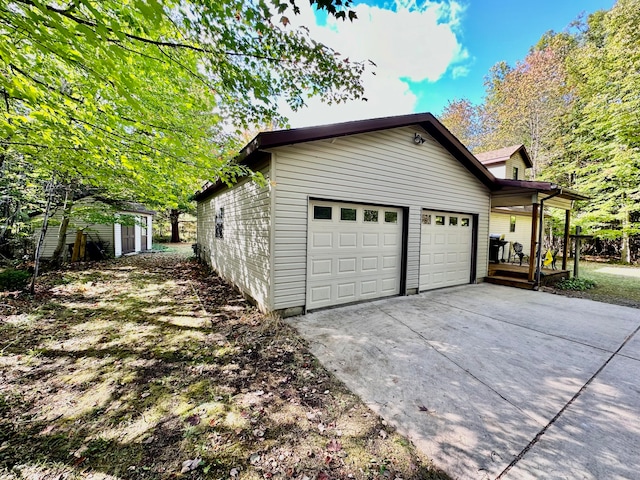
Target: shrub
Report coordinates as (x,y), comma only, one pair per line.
(12,279)
(580,284)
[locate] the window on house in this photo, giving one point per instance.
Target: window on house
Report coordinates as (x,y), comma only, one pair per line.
(220,223)
(515,173)
(426,219)
(439,220)
(465,222)
(371,216)
(321,213)
(391,217)
(453,221)
(512,223)
(348,214)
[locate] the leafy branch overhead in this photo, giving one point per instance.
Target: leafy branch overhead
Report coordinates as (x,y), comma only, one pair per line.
(141,96)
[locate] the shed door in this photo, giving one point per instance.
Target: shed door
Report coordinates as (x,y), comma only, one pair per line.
(128,239)
(354,252)
(445,249)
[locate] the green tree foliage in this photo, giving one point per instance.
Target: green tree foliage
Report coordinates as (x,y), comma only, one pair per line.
(139,96)
(526,104)
(605,146)
(574,102)
(145,98)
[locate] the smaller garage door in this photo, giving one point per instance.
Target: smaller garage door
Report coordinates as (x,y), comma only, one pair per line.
(354,253)
(445,249)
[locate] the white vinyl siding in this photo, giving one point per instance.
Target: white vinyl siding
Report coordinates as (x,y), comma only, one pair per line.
(500,223)
(242,255)
(95,232)
(383,167)
(498,171)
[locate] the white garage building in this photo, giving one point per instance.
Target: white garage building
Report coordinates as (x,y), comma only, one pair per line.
(350,212)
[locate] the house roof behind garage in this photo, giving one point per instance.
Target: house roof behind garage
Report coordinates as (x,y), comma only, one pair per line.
(251,153)
(503,154)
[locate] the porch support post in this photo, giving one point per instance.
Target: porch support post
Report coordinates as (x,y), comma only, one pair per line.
(565,249)
(534,236)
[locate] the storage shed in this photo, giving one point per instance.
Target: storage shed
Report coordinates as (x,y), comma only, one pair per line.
(349,212)
(117,238)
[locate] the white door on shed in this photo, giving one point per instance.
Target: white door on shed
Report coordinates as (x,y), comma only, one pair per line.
(445,249)
(354,252)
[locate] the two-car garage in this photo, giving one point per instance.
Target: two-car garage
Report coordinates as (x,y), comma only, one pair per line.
(356,251)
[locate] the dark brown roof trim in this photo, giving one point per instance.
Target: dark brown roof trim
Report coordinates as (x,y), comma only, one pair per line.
(265,140)
(540,187)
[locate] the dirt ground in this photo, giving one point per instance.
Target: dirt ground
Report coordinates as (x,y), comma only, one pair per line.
(151,367)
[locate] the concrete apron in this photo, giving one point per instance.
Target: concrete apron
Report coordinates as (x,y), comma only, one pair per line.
(493,382)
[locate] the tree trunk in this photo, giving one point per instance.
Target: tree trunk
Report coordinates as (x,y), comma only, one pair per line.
(175,226)
(56,258)
(43,232)
(625,251)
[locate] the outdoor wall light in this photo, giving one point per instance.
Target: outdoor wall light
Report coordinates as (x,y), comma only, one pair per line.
(418,139)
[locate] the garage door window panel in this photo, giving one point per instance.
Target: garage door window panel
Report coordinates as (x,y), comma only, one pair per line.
(391,217)
(348,214)
(371,216)
(321,212)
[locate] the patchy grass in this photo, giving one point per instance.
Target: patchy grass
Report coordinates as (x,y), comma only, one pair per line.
(148,367)
(617,284)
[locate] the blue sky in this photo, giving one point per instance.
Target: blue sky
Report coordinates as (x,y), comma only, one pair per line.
(430,52)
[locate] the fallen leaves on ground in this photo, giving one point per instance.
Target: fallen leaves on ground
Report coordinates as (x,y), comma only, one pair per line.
(152,367)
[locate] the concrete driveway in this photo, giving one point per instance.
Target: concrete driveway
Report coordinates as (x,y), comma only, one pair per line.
(495,382)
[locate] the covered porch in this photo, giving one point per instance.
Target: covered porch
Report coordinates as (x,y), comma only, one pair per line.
(529,272)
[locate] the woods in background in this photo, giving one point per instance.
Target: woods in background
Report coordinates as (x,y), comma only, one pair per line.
(574,101)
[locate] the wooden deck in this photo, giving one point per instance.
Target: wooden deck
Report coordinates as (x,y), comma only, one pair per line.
(514,275)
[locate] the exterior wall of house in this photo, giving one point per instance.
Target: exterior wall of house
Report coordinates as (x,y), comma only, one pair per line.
(499,171)
(383,167)
(500,223)
(242,255)
(515,161)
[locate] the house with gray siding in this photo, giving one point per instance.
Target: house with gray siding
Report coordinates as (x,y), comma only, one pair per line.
(351,212)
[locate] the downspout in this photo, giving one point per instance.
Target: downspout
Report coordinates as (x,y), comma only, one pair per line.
(536,284)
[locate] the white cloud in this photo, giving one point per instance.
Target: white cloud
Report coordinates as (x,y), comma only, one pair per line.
(407,41)
(460,71)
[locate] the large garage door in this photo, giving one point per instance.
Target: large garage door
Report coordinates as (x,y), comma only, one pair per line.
(354,253)
(445,249)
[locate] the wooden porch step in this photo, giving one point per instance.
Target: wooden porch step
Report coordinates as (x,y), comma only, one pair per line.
(504,272)
(510,282)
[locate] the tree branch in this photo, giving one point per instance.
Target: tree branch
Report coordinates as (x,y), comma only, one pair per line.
(39,145)
(157,43)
